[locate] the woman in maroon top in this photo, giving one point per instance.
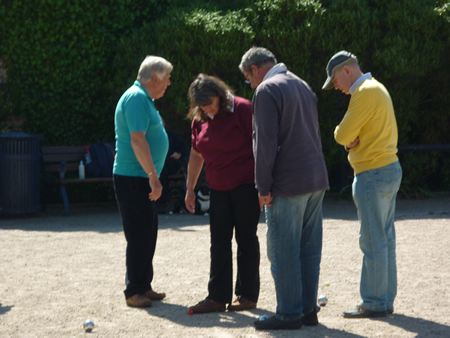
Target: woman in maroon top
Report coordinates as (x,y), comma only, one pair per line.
(222,138)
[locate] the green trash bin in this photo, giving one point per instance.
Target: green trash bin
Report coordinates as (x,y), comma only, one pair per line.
(19,173)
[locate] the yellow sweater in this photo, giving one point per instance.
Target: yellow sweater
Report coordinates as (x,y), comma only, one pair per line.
(370,116)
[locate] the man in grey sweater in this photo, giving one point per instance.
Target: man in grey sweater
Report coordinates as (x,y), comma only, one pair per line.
(291,179)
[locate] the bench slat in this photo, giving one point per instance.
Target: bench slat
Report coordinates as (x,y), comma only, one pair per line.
(76,157)
(63,154)
(55,167)
(77,180)
(65,159)
(62,150)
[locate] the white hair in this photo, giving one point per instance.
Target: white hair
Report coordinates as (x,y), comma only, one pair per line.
(153,65)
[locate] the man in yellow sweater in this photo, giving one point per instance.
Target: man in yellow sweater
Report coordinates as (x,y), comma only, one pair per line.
(369,133)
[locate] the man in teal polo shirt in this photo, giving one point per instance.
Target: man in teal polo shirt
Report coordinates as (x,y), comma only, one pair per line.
(141,149)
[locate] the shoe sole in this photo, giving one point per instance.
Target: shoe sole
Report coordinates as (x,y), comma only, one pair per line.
(156,299)
(311,324)
(139,306)
(274,324)
(238,308)
(362,315)
(212,311)
(281,327)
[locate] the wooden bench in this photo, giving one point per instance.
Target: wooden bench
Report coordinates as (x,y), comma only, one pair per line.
(60,160)
(57,161)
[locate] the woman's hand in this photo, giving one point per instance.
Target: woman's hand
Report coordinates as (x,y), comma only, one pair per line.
(189,200)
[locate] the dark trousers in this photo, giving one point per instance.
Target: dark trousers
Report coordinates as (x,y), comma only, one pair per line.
(237,208)
(140,226)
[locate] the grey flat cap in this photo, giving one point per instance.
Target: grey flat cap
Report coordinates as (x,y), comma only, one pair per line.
(338,61)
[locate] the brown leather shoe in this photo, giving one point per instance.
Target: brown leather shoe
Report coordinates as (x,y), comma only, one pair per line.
(241,304)
(154,295)
(139,301)
(208,305)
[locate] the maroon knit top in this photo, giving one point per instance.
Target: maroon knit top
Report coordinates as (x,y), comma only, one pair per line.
(225,143)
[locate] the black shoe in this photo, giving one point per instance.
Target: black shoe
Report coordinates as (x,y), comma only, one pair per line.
(274,323)
(311,319)
(362,312)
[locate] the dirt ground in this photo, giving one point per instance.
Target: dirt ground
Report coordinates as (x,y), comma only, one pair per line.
(56,272)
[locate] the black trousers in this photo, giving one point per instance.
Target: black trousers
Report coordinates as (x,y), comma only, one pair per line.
(140,225)
(239,209)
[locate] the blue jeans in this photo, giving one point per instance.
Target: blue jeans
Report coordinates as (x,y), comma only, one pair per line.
(374,193)
(294,249)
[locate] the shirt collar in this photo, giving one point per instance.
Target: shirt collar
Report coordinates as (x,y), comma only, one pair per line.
(138,84)
(358,82)
(230,107)
(278,68)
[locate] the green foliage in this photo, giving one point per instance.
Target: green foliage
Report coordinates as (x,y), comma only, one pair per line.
(196,41)
(408,54)
(405,45)
(68,63)
(444,10)
(58,57)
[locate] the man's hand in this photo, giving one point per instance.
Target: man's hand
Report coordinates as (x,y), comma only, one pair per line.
(352,144)
(156,187)
(189,201)
(265,200)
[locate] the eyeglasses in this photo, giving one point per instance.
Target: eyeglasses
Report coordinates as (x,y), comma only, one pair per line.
(246,78)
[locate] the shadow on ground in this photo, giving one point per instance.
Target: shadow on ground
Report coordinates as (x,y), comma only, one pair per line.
(234,320)
(422,327)
(105,218)
(4,309)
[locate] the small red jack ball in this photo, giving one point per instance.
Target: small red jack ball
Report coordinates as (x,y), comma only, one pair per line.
(190,312)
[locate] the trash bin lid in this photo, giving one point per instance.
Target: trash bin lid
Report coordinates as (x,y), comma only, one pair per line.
(14,134)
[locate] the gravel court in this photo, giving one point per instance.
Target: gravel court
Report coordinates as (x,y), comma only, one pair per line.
(56,272)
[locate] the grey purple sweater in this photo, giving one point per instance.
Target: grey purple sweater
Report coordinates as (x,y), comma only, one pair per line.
(286,138)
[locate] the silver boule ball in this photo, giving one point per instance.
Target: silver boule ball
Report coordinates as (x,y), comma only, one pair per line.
(88,325)
(323,300)
(262,318)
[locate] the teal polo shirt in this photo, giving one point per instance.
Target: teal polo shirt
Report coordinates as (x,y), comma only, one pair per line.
(136,111)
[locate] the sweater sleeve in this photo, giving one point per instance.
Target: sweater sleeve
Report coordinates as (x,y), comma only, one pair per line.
(359,112)
(265,138)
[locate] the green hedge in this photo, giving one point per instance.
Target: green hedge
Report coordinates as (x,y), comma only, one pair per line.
(69,62)
(58,55)
(196,42)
